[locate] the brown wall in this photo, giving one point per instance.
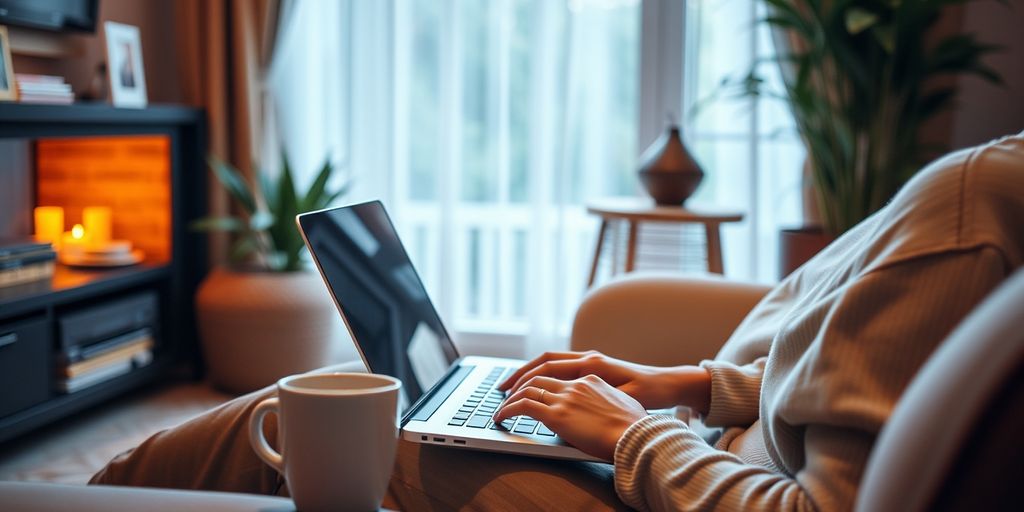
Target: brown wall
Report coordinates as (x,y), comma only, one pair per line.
(986,111)
(82,52)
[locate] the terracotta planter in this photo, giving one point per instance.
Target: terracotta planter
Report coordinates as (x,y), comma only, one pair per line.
(796,246)
(257,327)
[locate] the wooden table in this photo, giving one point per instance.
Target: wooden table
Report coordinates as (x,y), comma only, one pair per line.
(635,210)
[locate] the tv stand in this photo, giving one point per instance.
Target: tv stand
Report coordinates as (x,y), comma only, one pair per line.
(29,312)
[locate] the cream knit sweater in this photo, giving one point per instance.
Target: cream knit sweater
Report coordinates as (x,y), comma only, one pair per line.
(809,378)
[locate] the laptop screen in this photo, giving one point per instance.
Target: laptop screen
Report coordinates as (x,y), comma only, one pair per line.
(380,295)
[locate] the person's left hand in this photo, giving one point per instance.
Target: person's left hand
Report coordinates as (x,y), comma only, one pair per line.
(587,413)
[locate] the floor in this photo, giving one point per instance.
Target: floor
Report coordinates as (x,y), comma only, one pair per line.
(71,450)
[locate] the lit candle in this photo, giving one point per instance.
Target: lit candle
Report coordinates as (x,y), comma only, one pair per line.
(73,243)
(49,224)
(97,225)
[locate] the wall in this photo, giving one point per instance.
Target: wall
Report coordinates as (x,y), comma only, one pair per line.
(987,111)
(75,56)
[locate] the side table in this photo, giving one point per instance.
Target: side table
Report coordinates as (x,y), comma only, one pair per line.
(635,210)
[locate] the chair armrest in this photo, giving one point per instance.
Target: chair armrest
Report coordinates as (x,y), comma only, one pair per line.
(663,320)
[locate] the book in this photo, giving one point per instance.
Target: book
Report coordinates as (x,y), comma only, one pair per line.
(36,98)
(76,353)
(26,274)
(30,78)
(124,352)
(16,246)
(12,262)
(104,373)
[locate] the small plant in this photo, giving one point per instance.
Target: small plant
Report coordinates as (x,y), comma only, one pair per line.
(266,233)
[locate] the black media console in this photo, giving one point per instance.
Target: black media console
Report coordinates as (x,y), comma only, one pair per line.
(33,315)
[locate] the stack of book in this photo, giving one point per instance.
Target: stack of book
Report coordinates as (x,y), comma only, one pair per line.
(23,260)
(103,361)
(102,342)
(44,89)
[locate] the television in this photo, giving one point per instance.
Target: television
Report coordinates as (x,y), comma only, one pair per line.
(54,15)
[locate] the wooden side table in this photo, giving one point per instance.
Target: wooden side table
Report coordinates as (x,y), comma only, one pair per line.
(635,210)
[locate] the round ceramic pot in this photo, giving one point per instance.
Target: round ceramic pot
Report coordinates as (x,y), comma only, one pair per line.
(257,327)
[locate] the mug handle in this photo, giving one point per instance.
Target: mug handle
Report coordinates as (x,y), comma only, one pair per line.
(259,443)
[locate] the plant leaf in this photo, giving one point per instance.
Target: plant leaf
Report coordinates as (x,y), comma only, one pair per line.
(313,198)
(859,19)
(214,223)
(243,247)
(261,220)
(234,183)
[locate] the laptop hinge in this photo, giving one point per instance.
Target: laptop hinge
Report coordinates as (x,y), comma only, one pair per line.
(438,393)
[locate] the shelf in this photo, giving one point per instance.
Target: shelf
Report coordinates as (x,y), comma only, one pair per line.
(68,284)
(96,112)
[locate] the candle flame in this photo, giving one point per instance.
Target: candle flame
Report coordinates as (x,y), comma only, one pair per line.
(77,232)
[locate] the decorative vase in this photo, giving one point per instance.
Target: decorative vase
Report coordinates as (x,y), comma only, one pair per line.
(668,171)
(798,245)
(256,327)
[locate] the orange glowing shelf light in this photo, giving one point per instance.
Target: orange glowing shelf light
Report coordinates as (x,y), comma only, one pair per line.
(128,174)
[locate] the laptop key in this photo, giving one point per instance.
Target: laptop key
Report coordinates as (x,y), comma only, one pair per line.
(461,416)
(478,421)
(456,422)
(545,431)
(524,428)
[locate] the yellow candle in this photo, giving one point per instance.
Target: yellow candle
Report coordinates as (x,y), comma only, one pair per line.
(97,225)
(49,224)
(72,245)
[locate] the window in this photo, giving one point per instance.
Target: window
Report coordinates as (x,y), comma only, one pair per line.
(485,126)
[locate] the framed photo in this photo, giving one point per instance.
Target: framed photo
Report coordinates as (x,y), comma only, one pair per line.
(124,65)
(8,89)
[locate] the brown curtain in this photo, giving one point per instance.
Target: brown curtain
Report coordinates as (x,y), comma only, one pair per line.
(225,48)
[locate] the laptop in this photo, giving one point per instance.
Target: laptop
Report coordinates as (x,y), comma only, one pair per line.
(447,399)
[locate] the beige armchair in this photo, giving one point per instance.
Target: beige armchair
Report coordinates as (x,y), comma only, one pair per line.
(663,320)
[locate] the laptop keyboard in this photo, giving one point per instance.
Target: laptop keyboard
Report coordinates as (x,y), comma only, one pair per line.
(477,410)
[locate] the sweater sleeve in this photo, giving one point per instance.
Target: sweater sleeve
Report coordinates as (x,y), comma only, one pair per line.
(661,465)
(735,393)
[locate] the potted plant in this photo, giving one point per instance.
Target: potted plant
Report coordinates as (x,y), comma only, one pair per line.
(266,314)
(859,77)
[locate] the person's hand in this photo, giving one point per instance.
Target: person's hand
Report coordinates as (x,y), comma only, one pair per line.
(587,413)
(654,387)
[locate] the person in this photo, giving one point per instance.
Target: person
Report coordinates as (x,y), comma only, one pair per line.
(799,392)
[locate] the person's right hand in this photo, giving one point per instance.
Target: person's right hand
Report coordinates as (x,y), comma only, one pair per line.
(654,387)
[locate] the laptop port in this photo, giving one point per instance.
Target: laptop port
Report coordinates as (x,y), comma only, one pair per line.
(459,441)
(438,439)
(423,438)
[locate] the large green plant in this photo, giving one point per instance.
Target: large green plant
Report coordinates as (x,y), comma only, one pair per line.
(266,233)
(859,77)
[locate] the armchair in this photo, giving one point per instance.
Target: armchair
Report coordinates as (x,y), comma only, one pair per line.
(663,320)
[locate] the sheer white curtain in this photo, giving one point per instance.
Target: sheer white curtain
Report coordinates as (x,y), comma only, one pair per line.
(749,147)
(484,126)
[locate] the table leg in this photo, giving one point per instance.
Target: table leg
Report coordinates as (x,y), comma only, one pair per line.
(631,248)
(714,247)
(597,252)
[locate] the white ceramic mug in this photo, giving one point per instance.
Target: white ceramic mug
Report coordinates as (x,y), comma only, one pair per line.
(338,432)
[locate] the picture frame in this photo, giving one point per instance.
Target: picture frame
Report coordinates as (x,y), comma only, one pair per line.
(8,87)
(124,65)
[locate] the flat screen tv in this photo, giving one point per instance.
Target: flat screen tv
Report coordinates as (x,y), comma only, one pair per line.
(55,15)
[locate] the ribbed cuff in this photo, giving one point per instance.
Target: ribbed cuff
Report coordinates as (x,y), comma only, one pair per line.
(628,483)
(735,394)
